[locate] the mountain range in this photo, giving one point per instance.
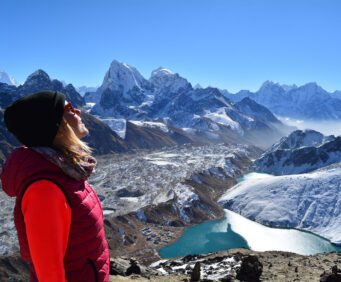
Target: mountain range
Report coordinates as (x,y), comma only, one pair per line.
(38,81)
(199,115)
(205,115)
(169,98)
(309,101)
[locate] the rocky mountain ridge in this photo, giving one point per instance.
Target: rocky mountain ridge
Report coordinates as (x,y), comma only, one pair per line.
(199,114)
(101,137)
(38,81)
(300,152)
(169,98)
(309,101)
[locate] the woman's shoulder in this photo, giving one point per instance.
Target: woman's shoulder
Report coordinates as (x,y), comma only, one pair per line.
(20,154)
(45,190)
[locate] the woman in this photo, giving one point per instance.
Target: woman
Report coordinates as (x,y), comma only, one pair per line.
(58,216)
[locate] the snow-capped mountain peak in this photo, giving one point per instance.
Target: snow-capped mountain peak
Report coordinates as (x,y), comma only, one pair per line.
(161,71)
(298,139)
(122,77)
(123,89)
(301,151)
(268,85)
(165,81)
(8,79)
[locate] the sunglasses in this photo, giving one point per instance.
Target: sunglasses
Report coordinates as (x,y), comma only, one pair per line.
(69,107)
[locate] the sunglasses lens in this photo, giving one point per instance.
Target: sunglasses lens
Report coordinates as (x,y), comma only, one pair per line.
(68,107)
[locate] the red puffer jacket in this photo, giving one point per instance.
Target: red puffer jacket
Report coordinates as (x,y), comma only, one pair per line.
(87,253)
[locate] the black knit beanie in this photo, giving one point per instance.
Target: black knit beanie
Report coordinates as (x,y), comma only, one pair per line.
(35,119)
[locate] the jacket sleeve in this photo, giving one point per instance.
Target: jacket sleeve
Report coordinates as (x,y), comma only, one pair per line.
(47,216)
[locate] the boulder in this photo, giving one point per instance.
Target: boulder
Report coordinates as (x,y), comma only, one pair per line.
(195,276)
(333,276)
(127,266)
(250,270)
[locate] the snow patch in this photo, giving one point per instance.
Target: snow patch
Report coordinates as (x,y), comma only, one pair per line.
(220,117)
(185,198)
(151,124)
(117,125)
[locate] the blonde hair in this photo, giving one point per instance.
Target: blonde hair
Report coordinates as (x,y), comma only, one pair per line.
(67,142)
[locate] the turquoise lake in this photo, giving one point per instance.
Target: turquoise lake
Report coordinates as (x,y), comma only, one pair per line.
(235,231)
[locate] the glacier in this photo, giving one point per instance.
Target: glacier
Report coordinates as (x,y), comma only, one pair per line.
(309,201)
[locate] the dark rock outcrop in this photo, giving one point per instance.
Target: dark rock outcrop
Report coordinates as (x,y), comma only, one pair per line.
(333,276)
(250,269)
(195,276)
(13,268)
(127,266)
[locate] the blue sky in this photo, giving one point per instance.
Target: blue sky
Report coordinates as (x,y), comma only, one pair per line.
(230,44)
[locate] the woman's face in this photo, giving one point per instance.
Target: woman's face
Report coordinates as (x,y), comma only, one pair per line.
(73,117)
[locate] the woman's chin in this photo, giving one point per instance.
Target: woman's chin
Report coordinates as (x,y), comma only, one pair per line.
(82,133)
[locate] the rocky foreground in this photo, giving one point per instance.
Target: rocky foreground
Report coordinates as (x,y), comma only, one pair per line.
(234,265)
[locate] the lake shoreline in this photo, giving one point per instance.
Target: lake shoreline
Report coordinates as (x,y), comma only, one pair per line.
(323,245)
